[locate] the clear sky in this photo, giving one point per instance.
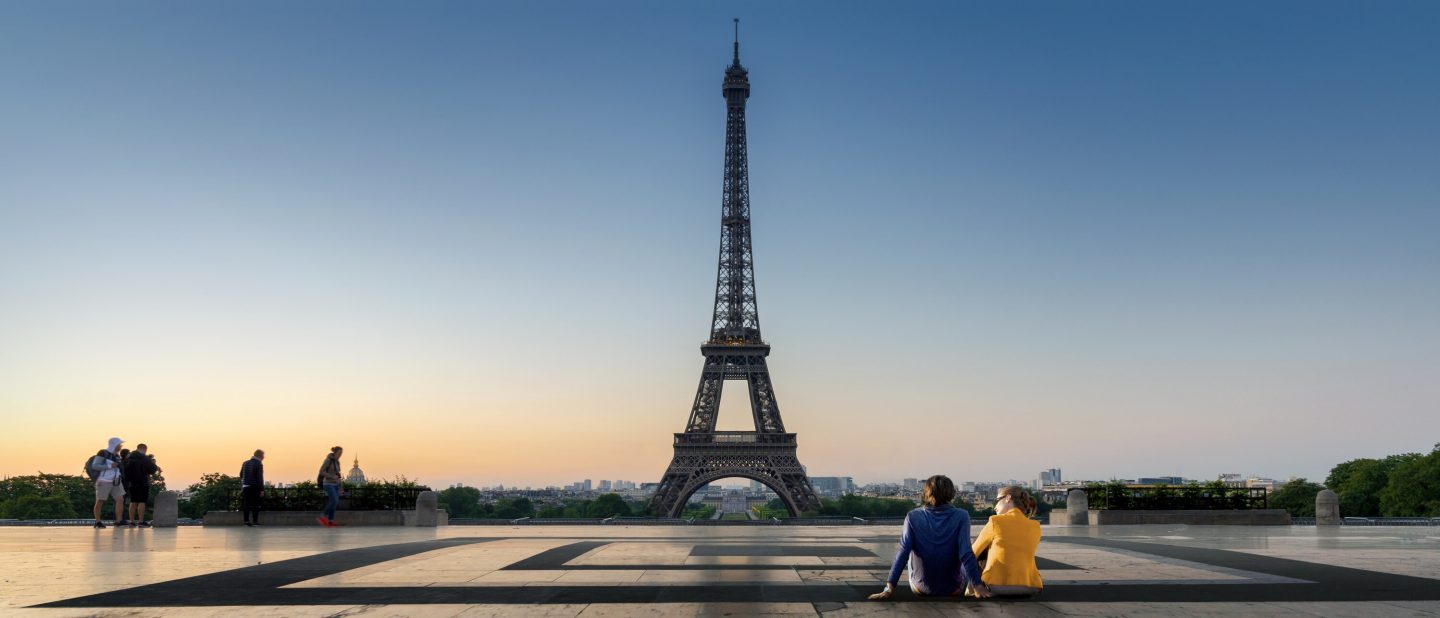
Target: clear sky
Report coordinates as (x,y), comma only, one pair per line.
(476,241)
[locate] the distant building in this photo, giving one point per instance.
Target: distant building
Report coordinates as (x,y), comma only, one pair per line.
(1160,480)
(1050,477)
(832,486)
(734,502)
(911,484)
(356,476)
(604,485)
(1264,483)
(587,486)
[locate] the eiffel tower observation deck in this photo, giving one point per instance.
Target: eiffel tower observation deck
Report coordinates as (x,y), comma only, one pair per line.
(735,351)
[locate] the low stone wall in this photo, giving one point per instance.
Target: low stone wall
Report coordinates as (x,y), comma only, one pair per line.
(1249,517)
(418,518)
(308,518)
(1266,517)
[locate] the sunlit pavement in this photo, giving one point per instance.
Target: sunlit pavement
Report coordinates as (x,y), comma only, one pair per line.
(698,570)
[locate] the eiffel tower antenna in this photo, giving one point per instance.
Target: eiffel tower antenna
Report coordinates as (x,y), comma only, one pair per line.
(737,40)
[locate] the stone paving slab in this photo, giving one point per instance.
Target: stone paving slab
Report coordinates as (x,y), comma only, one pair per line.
(678,570)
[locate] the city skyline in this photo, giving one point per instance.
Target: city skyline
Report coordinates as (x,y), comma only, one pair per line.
(1159,241)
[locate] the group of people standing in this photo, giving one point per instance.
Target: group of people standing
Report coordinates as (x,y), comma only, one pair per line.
(252,487)
(123,475)
(935,545)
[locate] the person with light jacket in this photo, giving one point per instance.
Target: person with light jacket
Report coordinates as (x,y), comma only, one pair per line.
(109,481)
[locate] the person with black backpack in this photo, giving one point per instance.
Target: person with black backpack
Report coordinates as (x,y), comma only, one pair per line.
(104,469)
(137,470)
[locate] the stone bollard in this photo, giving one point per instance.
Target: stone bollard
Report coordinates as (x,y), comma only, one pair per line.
(427,509)
(167,510)
(1077,508)
(1327,508)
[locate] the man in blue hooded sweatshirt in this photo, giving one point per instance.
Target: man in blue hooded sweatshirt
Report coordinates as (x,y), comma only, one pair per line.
(936,544)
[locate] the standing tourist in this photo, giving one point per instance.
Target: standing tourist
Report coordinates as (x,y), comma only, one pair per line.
(124,520)
(106,463)
(138,468)
(936,543)
(252,483)
(329,480)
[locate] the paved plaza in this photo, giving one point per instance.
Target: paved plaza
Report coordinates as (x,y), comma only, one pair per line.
(698,570)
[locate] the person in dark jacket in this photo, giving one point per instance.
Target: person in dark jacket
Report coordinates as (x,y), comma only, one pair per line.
(124,503)
(935,544)
(138,468)
(252,483)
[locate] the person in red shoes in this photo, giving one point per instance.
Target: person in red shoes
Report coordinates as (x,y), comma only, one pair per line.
(329,480)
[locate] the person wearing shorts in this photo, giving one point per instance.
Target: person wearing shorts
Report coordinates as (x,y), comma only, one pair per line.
(108,483)
(137,470)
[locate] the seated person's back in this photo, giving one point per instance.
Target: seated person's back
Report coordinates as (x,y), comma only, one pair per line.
(935,546)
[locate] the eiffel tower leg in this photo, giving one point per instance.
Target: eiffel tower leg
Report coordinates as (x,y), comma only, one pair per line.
(762,399)
(707,397)
(801,492)
(669,499)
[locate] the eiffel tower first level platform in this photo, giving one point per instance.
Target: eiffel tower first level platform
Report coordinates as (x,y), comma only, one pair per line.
(735,352)
(702,458)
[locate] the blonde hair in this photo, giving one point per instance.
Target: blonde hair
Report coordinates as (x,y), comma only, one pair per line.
(1020,498)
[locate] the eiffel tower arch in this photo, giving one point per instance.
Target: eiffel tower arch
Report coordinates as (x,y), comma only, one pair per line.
(735,352)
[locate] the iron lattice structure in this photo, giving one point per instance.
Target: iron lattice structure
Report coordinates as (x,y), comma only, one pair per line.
(735,351)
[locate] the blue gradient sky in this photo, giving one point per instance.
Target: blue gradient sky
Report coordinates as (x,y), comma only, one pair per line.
(476,241)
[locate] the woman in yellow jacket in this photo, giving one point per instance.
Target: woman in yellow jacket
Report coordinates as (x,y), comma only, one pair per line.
(1007,545)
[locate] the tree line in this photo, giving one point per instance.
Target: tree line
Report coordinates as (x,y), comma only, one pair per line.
(1405,485)
(464,502)
(55,496)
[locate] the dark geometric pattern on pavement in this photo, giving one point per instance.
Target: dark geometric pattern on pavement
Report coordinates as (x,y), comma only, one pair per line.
(828,551)
(558,558)
(264,584)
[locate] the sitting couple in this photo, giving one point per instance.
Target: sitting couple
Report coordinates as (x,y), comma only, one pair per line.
(936,544)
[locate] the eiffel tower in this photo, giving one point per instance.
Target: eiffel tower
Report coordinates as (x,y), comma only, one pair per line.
(735,351)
